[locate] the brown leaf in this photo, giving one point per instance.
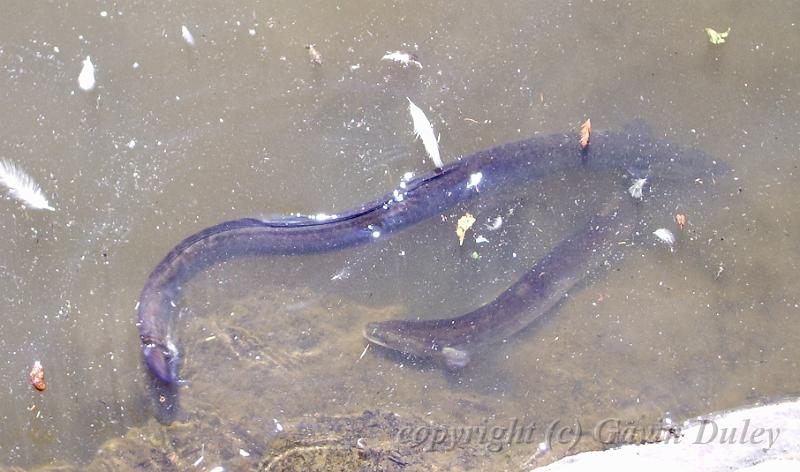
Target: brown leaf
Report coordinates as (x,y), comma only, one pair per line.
(586,131)
(464,223)
(37,376)
(680,218)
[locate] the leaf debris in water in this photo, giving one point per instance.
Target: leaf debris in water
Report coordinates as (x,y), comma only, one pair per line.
(37,377)
(464,223)
(681,220)
(715,37)
(424,131)
(586,131)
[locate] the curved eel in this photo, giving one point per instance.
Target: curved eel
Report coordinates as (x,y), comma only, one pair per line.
(536,293)
(632,150)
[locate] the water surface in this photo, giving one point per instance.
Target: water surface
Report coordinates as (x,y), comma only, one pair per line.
(176,138)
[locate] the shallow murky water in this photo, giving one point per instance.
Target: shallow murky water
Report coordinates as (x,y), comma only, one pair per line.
(175,138)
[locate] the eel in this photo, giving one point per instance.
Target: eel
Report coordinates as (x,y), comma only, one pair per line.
(632,150)
(545,285)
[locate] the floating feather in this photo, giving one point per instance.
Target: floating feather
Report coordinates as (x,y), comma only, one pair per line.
(404,58)
(666,237)
(424,131)
(22,187)
(187,35)
(86,77)
(636,190)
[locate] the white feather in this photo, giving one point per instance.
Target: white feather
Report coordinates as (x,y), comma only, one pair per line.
(22,187)
(86,77)
(424,131)
(636,189)
(187,35)
(402,57)
(666,237)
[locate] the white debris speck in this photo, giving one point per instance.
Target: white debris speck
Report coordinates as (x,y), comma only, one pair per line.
(496,224)
(376,234)
(636,188)
(323,217)
(131,144)
(355,66)
(198,461)
(404,58)
(474,180)
(408,176)
(543,446)
(666,237)
(244,453)
(218,468)
(278,425)
(187,35)
(86,77)
(135,65)
(480,239)
(55,49)
(398,195)
(104,13)
(252,32)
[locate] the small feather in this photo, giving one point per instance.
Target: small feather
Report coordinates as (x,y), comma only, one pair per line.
(666,237)
(22,187)
(187,35)
(86,77)
(424,131)
(404,58)
(637,188)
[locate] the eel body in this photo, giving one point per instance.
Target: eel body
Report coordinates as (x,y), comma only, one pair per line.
(547,283)
(632,151)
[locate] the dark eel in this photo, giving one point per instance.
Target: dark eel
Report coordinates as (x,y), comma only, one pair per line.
(632,150)
(545,285)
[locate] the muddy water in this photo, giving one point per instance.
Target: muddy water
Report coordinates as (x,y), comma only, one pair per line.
(175,138)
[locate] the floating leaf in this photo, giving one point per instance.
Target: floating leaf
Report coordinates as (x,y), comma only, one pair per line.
(715,37)
(680,219)
(586,131)
(37,377)
(464,223)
